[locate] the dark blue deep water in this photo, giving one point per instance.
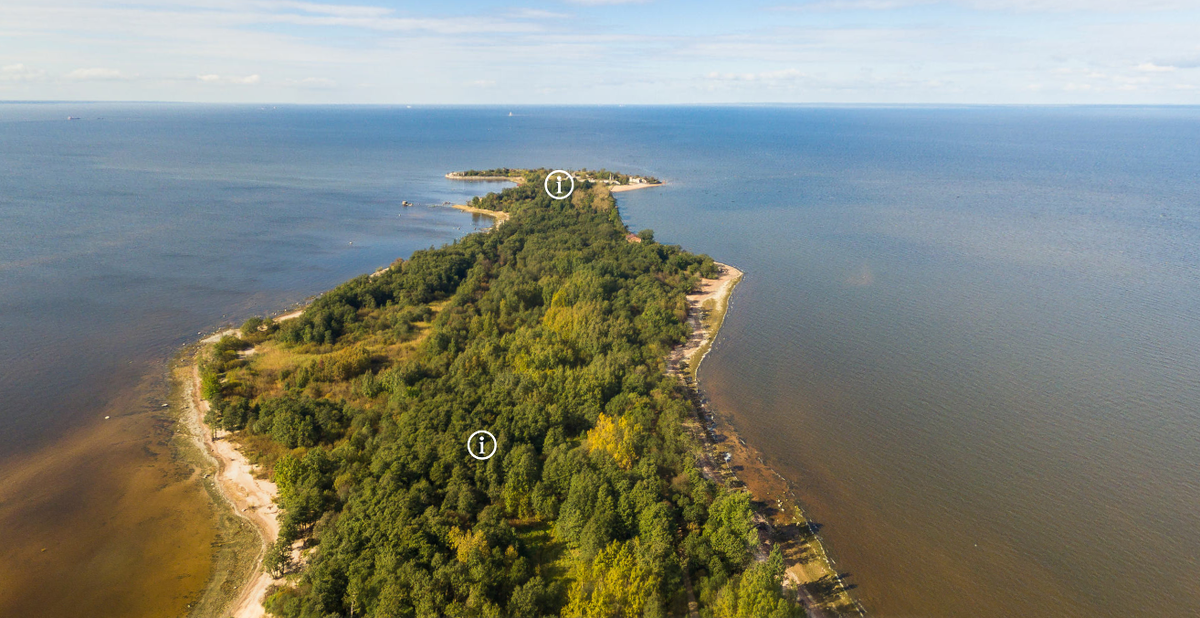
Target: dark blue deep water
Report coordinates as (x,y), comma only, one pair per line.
(970,337)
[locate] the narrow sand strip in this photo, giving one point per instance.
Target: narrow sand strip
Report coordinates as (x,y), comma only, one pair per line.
(624,188)
(717,290)
(500,217)
(251,498)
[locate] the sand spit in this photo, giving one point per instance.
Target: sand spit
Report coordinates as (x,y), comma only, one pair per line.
(634,187)
(499,216)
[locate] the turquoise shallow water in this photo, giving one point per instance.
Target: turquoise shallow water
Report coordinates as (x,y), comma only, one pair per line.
(966,335)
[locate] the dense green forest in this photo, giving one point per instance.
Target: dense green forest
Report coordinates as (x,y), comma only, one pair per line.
(549,331)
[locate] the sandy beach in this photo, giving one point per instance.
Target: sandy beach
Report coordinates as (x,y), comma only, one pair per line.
(728,460)
(624,188)
(710,300)
(500,217)
(251,498)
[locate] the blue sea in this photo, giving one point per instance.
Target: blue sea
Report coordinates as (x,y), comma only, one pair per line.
(967,335)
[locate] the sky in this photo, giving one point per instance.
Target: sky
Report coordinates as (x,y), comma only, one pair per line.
(603,51)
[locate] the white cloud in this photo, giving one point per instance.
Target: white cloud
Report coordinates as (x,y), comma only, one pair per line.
(850,5)
(1025,6)
(191,17)
(20,73)
(219,79)
(1150,67)
(951,51)
(310,82)
(463,25)
(1114,6)
(536,14)
(312,7)
(605,2)
(100,74)
(766,76)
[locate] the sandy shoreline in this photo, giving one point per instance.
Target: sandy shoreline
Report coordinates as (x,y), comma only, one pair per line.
(781,520)
(687,358)
(499,216)
(624,188)
(249,497)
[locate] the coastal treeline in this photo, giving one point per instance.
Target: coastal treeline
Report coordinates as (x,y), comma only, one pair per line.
(550,332)
(601,176)
(618,178)
(498,172)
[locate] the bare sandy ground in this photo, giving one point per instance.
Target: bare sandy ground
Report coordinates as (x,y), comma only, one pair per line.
(251,498)
(500,217)
(624,188)
(291,316)
(718,290)
(215,337)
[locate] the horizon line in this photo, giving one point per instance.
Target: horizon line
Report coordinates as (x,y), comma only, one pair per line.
(578,105)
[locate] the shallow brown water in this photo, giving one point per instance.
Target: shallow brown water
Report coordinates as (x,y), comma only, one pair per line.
(122,236)
(105,522)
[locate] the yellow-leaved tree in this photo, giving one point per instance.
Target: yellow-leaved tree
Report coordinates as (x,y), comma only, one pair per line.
(615,437)
(614,585)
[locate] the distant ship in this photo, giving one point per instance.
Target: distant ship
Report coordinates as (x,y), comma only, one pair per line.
(78,118)
(509,113)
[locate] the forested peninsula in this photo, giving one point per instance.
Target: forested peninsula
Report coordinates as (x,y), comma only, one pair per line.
(551,331)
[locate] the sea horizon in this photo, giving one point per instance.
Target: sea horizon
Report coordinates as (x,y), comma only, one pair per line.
(729,104)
